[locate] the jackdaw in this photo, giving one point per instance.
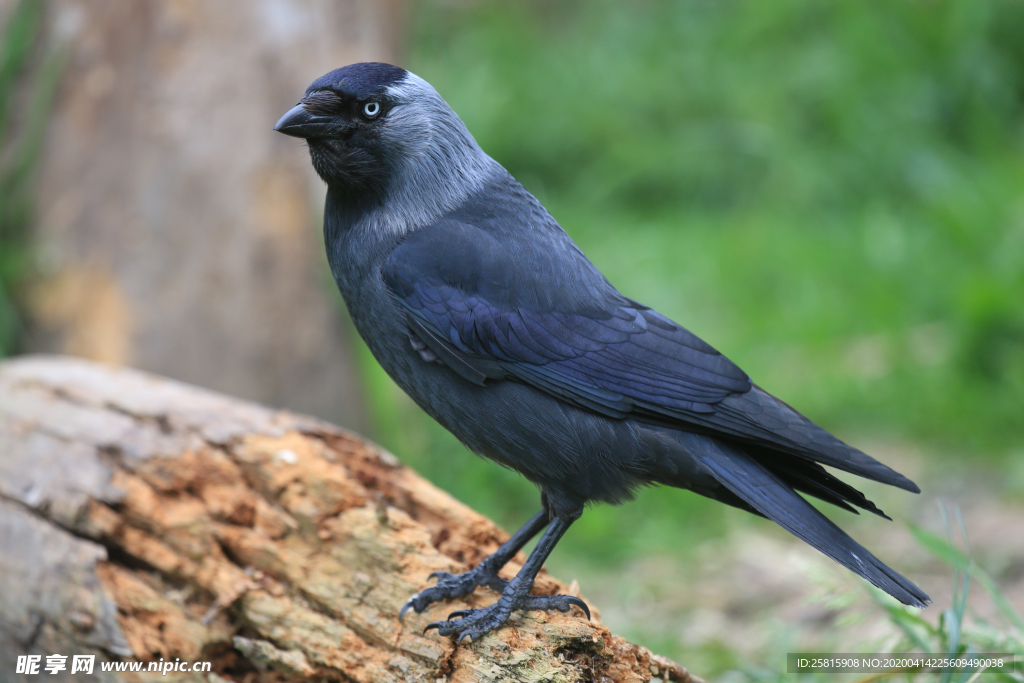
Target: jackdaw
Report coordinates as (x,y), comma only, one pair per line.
(478,304)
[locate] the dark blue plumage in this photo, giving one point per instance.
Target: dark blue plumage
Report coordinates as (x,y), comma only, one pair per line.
(485,312)
(359,80)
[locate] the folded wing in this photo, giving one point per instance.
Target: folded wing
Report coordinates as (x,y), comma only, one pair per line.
(562,328)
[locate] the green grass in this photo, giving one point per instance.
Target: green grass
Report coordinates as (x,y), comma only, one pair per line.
(955,635)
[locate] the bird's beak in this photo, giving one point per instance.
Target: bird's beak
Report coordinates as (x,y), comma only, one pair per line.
(299,123)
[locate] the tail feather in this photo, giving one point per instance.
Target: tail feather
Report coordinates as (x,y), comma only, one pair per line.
(813,479)
(775,499)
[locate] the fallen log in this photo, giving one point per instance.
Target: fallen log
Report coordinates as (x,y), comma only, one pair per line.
(142,519)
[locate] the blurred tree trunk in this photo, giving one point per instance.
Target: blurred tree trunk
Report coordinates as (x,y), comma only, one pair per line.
(176,232)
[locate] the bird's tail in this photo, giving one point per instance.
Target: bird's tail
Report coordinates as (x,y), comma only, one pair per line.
(776,500)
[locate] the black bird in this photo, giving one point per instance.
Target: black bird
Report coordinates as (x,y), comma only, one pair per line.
(479,305)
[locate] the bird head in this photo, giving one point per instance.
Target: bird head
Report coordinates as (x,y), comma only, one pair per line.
(380,133)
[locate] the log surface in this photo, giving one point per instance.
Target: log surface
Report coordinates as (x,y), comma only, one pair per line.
(142,518)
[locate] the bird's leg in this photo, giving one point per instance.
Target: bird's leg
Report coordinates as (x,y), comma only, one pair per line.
(474,623)
(484,574)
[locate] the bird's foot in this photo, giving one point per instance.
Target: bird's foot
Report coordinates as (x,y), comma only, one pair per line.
(475,623)
(451,586)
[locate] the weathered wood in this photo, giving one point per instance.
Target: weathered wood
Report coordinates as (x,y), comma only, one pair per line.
(144,518)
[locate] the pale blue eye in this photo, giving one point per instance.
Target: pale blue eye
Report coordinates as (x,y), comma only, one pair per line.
(371,109)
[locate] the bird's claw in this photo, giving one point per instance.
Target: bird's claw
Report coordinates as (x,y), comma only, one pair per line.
(471,623)
(450,586)
(562,603)
(406,607)
(579,603)
(475,623)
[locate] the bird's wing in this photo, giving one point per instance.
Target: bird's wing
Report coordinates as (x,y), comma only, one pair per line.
(540,313)
(610,355)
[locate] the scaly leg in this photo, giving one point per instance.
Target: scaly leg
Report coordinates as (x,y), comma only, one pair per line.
(484,574)
(474,623)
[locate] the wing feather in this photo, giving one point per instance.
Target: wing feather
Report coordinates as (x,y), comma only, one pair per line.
(562,328)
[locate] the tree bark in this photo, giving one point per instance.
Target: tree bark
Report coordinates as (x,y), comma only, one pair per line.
(142,518)
(175,231)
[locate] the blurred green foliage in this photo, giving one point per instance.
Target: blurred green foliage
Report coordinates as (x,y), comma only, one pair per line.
(831,193)
(25,95)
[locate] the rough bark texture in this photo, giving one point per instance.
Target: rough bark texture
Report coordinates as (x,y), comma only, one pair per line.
(177,232)
(143,518)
